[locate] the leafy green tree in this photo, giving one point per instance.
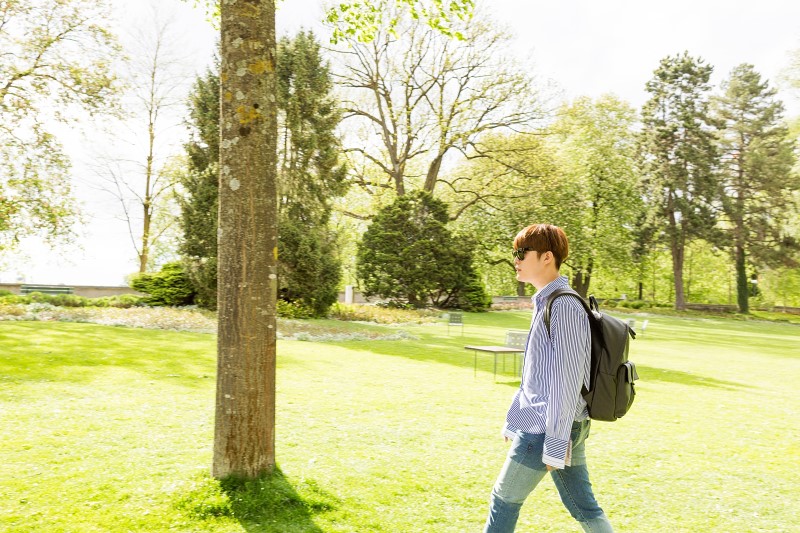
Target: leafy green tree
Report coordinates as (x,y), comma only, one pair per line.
(363,21)
(410,257)
(56,58)
(309,172)
(756,178)
(596,148)
(518,186)
(679,155)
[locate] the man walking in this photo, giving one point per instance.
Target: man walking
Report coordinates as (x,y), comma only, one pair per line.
(548,422)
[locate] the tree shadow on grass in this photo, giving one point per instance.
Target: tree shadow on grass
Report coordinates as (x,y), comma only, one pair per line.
(269,504)
(451,351)
(651,374)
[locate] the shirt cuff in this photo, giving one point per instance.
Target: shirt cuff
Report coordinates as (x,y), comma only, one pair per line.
(555,452)
(509,432)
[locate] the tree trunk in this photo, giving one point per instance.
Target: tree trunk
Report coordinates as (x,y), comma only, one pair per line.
(144,256)
(520,288)
(433,173)
(147,204)
(581,279)
(678,251)
(244,437)
(742,283)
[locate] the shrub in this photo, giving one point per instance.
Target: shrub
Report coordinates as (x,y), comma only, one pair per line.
(122,301)
(473,296)
(126,301)
(634,304)
(170,286)
(381,314)
(67,300)
(9,309)
(293,310)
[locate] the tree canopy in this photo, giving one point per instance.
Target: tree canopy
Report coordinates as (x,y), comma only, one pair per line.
(56,58)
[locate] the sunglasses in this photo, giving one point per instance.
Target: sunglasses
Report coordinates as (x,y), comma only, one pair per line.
(519,253)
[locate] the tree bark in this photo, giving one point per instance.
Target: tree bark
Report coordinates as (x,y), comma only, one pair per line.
(520,288)
(433,173)
(147,204)
(244,438)
(742,283)
(580,282)
(678,250)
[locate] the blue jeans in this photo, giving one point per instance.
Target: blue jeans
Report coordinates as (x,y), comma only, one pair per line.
(524,469)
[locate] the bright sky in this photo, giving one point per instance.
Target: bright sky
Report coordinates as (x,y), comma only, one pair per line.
(587,47)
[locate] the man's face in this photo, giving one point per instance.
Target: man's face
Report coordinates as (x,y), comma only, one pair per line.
(533,267)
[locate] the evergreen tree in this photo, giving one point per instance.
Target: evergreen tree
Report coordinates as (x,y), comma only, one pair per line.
(410,257)
(199,203)
(309,177)
(678,156)
(756,178)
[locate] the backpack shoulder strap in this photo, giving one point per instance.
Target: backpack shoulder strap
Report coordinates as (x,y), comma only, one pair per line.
(560,292)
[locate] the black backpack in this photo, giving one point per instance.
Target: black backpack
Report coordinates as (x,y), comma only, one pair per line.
(611,391)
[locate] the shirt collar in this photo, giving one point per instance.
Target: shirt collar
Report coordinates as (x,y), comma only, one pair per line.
(541,296)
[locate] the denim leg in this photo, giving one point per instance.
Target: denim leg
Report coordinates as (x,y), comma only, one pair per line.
(575,488)
(522,471)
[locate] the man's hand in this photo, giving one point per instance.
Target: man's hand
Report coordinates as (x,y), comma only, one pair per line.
(551,468)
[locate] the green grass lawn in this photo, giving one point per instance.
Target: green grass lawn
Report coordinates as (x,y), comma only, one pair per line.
(109,429)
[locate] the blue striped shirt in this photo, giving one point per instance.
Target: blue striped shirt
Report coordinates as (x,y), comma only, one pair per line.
(554,368)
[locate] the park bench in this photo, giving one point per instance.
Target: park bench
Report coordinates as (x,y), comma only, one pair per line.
(515,344)
(46,289)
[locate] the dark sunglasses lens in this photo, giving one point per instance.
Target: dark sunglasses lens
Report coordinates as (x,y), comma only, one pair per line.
(519,254)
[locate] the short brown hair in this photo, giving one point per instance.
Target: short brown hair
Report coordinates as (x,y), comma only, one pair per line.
(544,238)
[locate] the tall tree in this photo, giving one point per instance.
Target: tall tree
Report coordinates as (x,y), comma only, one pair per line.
(596,145)
(756,178)
(424,96)
(310,175)
(143,186)
(56,57)
(244,429)
(679,155)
